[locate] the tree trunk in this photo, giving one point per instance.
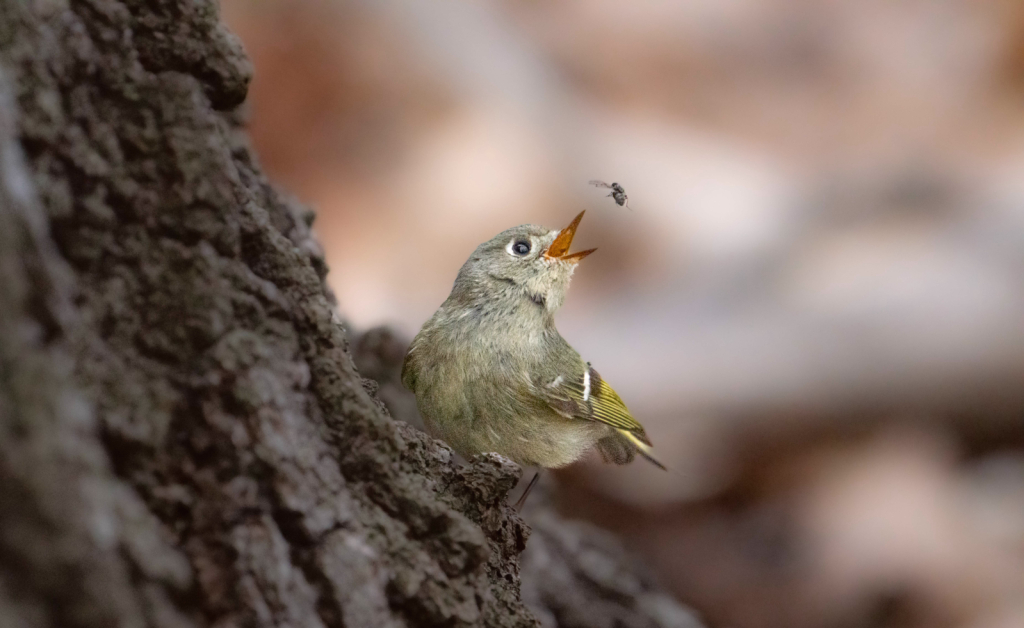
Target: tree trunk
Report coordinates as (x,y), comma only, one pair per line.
(184,440)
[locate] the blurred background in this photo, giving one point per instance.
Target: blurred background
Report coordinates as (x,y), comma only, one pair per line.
(816,304)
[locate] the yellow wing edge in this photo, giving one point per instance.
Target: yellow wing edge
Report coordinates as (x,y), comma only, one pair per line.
(643,448)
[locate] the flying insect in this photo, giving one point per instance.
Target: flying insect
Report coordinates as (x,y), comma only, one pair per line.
(618,193)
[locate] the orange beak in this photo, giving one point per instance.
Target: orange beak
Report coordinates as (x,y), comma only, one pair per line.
(559,249)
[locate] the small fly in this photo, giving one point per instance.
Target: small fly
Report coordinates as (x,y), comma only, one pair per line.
(617,192)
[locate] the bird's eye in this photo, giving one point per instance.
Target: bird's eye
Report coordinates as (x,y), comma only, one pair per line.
(520,247)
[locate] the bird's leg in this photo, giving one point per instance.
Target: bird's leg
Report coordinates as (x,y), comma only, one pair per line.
(522,498)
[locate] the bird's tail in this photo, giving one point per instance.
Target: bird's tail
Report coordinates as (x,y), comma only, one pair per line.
(643,448)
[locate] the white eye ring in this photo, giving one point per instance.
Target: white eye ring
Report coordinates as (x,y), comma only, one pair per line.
(512,246)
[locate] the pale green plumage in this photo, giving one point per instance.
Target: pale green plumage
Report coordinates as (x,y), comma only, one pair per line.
(491,373)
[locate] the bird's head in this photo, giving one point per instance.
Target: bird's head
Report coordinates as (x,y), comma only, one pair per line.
(524,263)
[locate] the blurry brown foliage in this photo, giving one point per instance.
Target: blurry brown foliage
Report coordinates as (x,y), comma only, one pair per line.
(816,304)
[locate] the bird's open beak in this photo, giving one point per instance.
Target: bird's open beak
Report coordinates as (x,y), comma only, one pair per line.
(559,249)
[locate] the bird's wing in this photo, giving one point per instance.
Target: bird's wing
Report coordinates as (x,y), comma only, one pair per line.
(585,395)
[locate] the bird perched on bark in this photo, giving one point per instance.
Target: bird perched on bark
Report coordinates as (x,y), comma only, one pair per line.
(492,374)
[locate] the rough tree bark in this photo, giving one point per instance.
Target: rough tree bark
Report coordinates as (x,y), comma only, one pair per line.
(184,440)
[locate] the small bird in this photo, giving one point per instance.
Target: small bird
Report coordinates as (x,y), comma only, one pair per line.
(492,374)
(618,193)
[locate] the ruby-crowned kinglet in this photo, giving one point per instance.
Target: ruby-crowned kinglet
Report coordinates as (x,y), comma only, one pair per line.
(492,374)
